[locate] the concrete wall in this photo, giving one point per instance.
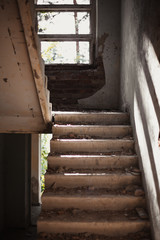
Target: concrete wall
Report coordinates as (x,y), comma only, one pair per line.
(15,199)
(140,91)
(109,49)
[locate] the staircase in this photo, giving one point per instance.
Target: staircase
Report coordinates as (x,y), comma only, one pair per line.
(93,183)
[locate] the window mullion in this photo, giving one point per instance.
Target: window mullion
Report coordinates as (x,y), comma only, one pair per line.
(65,37)
(63,8)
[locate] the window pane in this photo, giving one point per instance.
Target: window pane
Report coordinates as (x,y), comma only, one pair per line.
(83,2)
(55,2)
(63,2)
(56,23)
(83,22)
(65,52)
(63,22)
(84,52)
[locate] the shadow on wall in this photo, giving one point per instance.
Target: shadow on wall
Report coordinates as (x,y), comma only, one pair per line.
(149,144)
(149,57)
(141,91)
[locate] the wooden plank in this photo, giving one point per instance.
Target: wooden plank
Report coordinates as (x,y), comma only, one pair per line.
(35,58)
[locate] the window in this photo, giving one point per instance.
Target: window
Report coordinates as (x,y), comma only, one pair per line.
(66,31)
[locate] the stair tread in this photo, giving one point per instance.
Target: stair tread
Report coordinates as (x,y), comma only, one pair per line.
(91,155)
(98,180)
(90,126)
(84,195)
(91,140)
(132,189)
(106,172)
(89,112)
(76,215)
(72,236)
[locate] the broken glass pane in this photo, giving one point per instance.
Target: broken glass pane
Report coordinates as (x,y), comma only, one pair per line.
(63,2)
(65,52)
(63,22)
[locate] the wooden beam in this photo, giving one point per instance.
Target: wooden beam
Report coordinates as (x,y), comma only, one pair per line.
(35,58)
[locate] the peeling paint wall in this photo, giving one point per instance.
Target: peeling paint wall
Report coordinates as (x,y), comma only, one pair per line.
(109,49)
(19,104)
(140,91)
(69,85)
(98,87)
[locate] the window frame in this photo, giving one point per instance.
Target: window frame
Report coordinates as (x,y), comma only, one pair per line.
(91,8)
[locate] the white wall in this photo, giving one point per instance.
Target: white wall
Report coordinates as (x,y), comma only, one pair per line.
(140,91)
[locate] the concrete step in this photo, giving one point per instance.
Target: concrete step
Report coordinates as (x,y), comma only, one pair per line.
(99,118)
(92,161)
(97,180)
(52,201)
(96,223)
(145,235)
(91,131)
(84,191)
(90,145)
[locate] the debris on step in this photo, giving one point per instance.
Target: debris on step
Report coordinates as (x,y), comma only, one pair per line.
(53,186)
(90,190)
(134,171)
(86,236)
(142,213)
(139,192)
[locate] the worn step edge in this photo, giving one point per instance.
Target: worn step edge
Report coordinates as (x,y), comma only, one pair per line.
(109,228)
(114,131)
(103,181)
(92,117)
(106,202)
(89,145)
(89,161)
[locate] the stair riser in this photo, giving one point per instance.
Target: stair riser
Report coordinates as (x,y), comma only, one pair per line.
(98,181)
(83,146)
(97,203)
(106,228)
(92,162)
(91,131)
(93,118)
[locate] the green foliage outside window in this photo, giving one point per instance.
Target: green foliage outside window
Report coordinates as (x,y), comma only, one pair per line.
(45,143)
